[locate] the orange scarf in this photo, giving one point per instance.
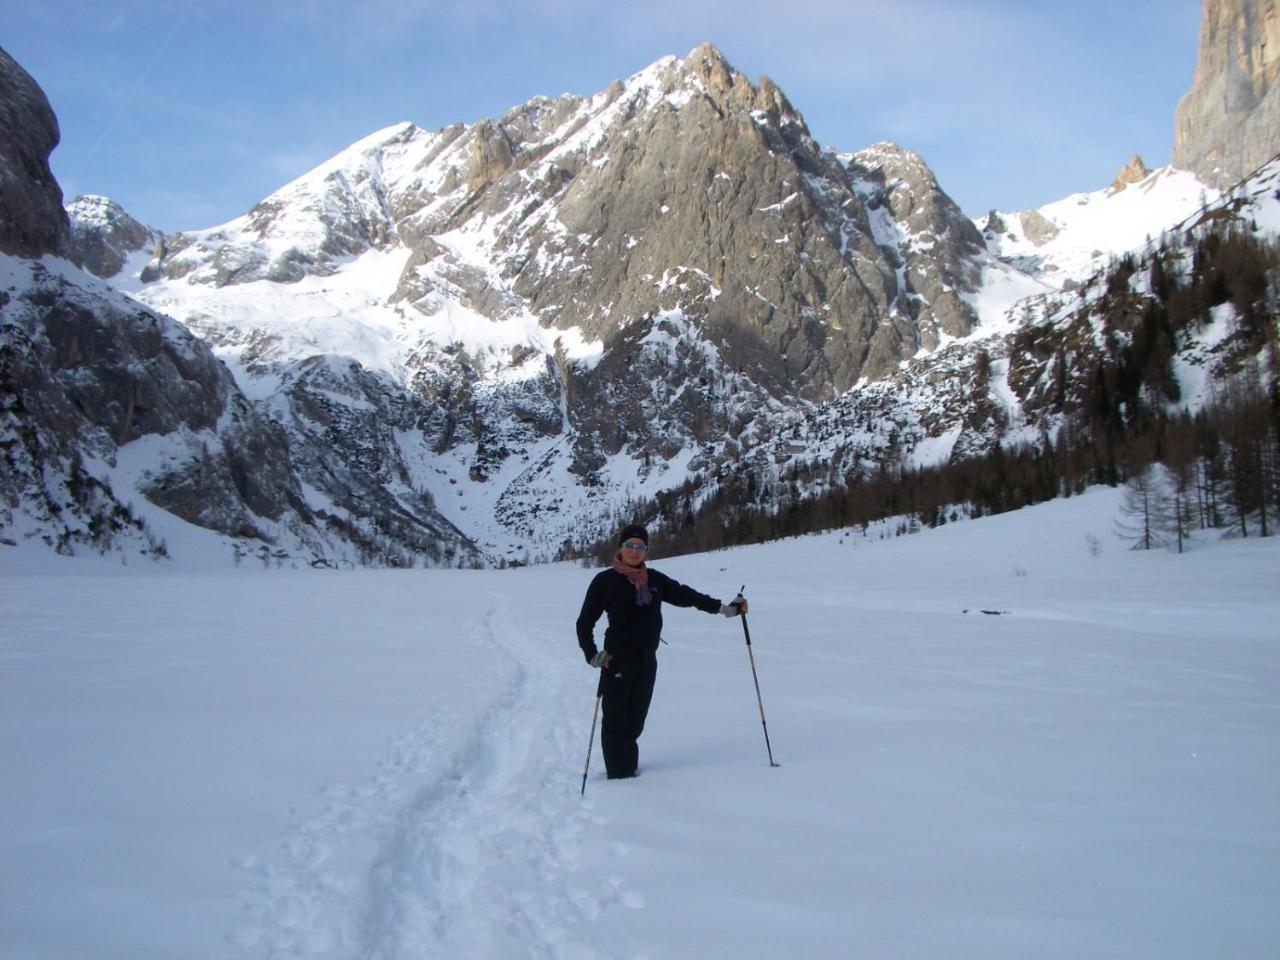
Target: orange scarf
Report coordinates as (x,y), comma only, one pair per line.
(639,577)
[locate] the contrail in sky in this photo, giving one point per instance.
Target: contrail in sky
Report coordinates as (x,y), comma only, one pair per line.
(115,117)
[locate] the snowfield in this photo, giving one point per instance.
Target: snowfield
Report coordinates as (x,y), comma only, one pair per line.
(241,763)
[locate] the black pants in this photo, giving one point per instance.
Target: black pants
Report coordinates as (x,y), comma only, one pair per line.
(627,687)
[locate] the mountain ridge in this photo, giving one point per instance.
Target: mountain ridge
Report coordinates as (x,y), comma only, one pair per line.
(504,333)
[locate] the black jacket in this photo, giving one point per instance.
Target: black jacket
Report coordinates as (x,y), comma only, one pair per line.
(632,629)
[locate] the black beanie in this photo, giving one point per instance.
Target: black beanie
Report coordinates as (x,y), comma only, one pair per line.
(634,530)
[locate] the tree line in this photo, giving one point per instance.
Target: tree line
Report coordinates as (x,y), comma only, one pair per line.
(1112,412)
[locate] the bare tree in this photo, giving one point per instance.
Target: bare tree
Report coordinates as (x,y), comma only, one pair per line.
(1139,522)
(1177,510)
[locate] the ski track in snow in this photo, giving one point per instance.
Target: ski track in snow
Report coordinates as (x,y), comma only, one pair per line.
(469,855)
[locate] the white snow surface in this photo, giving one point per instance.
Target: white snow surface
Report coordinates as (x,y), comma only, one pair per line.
(261,763)
(1091,228)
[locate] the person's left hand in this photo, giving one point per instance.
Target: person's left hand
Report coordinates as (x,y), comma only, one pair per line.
(735,607)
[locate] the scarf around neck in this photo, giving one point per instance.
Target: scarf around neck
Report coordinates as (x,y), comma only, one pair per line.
(639,577)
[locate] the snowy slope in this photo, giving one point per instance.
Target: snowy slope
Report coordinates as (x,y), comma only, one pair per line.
(1255,200)
(1068,240)
(360,764)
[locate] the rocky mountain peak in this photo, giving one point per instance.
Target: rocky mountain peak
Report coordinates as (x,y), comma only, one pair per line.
(1228,124)
(706,61)
(1131,172)
(103,235)
(32,221)
(731,90)
(684,188)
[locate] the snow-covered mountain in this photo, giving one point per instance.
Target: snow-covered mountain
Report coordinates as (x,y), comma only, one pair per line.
(591,300)
(537,318)
(502,334)
(1065,242)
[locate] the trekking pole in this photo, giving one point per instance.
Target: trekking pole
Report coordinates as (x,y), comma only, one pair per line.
(751,656)
(591,743)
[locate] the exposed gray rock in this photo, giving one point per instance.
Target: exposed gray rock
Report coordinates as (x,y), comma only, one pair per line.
(942,260)
(686,188)
(32,221)
(707,193)
(1038,228)
(1228,123)
(103,236)
(87,373)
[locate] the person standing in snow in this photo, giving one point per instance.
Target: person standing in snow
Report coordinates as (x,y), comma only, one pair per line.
(632,594)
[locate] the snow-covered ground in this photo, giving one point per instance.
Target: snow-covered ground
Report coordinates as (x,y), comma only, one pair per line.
(251,763)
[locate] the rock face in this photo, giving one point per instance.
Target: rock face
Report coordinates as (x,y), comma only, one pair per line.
(87,373)
(103,236)
(32,221)
(1228,124)
(1132,172)
(103,400)
(686,187)
(938,245)
(707,193)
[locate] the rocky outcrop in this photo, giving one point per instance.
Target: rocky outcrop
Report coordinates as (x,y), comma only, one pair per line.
(1038,228)
(1228,124)
(32,221)
(103,236)
(938,245)
(85,373)
(1132,172)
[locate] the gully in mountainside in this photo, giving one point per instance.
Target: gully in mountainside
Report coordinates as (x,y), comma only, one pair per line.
(632,594)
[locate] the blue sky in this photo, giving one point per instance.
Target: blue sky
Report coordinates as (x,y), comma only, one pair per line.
(188,113)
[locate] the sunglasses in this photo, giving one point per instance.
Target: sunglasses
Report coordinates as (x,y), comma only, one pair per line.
(637,547)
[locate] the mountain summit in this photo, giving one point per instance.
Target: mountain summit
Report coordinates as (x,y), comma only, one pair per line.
(684,187)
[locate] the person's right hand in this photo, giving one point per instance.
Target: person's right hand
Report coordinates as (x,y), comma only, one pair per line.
(600,661)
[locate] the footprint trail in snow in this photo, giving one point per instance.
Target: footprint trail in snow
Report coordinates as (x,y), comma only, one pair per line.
(447,850)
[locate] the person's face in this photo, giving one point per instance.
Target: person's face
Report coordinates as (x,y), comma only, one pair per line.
(633,551)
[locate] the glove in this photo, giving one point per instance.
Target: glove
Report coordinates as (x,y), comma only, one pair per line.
(736,607)
(600,660)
